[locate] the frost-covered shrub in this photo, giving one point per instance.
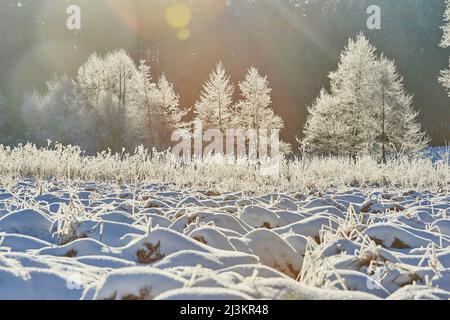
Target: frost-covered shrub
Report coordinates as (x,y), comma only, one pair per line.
(70,163)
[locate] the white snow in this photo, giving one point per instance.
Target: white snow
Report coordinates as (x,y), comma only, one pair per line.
(156,242)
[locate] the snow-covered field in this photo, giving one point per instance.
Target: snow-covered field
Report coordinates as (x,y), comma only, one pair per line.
(104,241)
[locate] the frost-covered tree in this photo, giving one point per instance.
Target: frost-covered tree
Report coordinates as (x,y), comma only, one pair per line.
(395,126)
(91,82)
(92,87)
(350,86)
(445,74)
(57,115)
(172,113)
(120,77)
(111,103)
(351,83)
(213,108)
(446,28)
(156,109)
(146,111)
(367,111)
(255,111)
(107,85)
(324,134)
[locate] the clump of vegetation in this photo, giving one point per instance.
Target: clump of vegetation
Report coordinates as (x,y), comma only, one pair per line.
(151,253)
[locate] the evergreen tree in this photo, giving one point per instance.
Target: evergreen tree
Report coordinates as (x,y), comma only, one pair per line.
(395,127)
(172,114)
(324,133)
(367,111)
(213,108)
(350,88)
(254,110)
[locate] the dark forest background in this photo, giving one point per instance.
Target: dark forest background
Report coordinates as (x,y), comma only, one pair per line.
(296,43)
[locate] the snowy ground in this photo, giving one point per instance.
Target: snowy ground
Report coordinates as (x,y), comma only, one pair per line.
(97,241)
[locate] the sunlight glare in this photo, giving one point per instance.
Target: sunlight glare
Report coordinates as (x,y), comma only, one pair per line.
(178,16)
(184,34)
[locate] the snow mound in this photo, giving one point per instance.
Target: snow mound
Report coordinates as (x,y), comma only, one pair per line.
(203,294)
(27,222)
(137,283)
(275,252)
(146,241)
(259,217)
(37,284)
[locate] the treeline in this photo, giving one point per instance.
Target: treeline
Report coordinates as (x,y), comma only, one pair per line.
(115,104)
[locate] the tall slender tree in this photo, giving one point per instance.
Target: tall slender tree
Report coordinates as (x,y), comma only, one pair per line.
(172,113)
(255,111)
(120,77)
(324,133)
(145,112)
(213,108)
(107,83)
(395,126)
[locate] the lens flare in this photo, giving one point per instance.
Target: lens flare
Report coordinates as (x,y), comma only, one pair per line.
(178,16)
(184,34)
